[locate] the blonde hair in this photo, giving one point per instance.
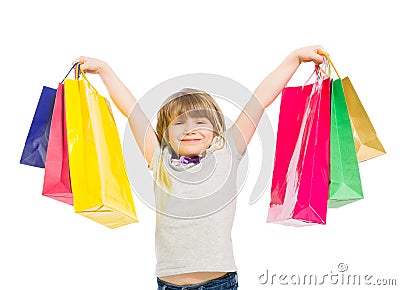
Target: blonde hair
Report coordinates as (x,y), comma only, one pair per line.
(192,103)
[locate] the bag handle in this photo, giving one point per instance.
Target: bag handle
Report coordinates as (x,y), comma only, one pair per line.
(78,73)
(320,72)
(326,55)
(74,65)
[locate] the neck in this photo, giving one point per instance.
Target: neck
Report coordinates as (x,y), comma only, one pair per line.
(177,155)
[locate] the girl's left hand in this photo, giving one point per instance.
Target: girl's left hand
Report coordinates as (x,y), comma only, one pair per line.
(310,53)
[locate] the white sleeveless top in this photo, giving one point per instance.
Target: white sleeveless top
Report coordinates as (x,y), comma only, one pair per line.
(194,221)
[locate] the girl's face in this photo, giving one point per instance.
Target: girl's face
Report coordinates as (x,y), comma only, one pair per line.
(190,136)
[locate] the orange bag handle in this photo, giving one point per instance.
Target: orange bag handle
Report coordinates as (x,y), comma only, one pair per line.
(320,52)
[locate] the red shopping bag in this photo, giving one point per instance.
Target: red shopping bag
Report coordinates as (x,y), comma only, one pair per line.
(300,182)
(57,184)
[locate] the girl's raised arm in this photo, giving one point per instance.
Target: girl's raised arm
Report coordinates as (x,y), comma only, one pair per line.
(140,125)
(267,91)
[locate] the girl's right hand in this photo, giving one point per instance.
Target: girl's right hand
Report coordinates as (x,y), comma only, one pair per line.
(91,65)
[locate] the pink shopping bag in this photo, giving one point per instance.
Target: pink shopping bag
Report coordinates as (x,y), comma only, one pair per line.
(57,182)
(300,182)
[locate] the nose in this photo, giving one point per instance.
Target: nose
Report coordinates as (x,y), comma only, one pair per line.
(190,127)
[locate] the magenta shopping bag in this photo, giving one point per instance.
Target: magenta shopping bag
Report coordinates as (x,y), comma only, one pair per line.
(300,182)
(57,184)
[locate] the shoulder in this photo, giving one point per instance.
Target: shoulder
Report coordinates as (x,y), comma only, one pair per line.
(231,144)
(155,159)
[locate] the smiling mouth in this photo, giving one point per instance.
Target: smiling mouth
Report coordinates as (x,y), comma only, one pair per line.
(190,140)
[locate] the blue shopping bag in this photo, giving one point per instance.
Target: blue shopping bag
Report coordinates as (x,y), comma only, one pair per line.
(35,149)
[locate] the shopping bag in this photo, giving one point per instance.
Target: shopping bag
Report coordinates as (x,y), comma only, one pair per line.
(345,183)
(35,148)
(299,191)
(366,140)
(98,175)
(57,184)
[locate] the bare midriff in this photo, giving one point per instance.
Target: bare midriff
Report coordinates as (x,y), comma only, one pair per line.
(191,278)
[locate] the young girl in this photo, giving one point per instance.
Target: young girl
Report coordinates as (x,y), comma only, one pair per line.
(194,159)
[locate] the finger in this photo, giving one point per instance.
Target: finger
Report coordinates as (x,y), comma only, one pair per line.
(82,65)
(321,52)
(80,60)
(318,59)
(77,60)
(322,48)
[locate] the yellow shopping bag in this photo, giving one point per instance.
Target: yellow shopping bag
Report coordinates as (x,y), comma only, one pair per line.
(99,180)
(366,141)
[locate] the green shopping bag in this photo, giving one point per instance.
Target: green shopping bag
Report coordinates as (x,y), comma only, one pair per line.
(345,183)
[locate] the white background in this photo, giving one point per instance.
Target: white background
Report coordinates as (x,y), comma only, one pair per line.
(44,245)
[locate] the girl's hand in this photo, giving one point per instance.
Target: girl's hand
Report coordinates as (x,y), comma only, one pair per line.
(310,53)
(91,65)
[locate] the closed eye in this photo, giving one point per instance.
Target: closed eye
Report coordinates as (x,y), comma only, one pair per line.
(198,122)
